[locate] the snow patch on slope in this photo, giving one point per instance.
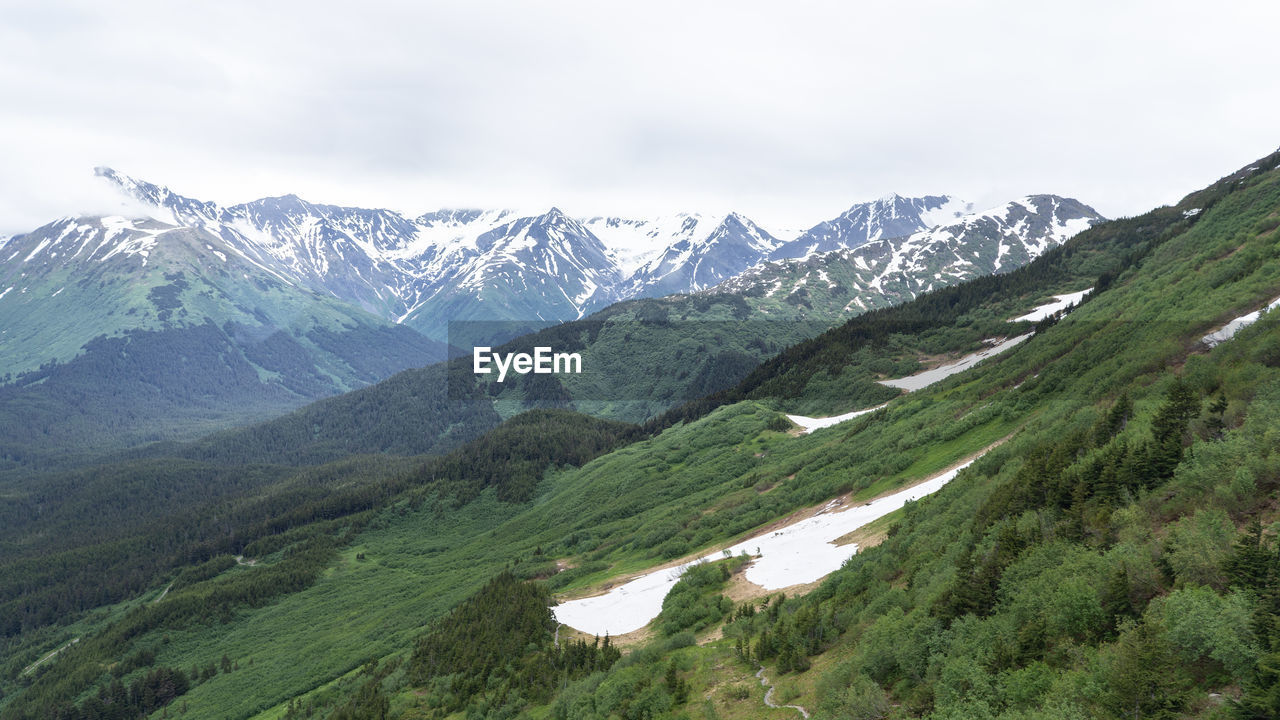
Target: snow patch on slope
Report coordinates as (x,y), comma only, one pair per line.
(924,379)
(1060,303)
(802,552)
(1229,330)
(809,424)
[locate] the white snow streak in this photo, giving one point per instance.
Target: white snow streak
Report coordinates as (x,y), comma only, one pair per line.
(1060,302)
(929,377)
(1229,330)
(809,424)
(802,552)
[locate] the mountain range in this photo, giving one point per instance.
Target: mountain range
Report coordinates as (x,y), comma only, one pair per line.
(531,268)
(881,271)
(197,316)
(1092,534)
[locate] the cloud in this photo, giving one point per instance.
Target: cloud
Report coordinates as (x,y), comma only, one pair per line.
(786,113)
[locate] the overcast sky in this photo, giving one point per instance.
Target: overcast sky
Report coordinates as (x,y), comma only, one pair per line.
(787,111)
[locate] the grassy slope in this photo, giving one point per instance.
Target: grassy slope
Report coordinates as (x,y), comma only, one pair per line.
(1128,339)
(607,512)
(102,354)
(1125,339)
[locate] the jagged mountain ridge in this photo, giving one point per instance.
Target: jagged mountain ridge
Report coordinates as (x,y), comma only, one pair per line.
(116,331)
(891,216)
(474,265)
(692,263)
(453,264)
(887,271)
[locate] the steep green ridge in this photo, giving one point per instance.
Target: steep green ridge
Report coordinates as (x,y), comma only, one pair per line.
(83,278)
(183,383)
(118,333)
(638,357)
(1096,563)
(843,362)
(641,357)
(414,412)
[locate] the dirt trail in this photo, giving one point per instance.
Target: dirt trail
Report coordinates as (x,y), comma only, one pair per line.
(768,696)
(162,594)
(47,658)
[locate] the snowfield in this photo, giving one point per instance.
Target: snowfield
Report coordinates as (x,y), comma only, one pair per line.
(1060,302)
(1229,330)
(809,424)
(802,552)
(929,377)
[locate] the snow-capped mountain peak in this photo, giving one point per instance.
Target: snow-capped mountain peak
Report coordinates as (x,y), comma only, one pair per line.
(635,242)
(894,269)
(506,264)
(890,216)
(697,261)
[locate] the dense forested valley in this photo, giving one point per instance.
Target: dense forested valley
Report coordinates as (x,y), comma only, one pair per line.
(397,553)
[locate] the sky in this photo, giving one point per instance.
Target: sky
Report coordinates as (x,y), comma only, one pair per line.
(787,112)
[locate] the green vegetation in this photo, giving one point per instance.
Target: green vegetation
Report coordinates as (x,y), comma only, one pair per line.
(695,602)
(182,383)
(837,369)
(118,352)
(483,650)
(641,357)
(1116,556)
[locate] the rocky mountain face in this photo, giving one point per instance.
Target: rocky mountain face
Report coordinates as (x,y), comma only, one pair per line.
(129,330)
(881,272)
(530,270)
(891,216)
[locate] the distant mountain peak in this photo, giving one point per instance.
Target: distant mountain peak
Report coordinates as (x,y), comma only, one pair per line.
(424,270)
(884,271)
(892,215)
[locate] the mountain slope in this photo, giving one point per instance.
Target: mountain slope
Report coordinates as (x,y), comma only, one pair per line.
(526,274)
(883,272)
(635,241)
(118,331)
(525,270)
(464,265)
(1092,564)
(698,262)
(642,357)
(888,217)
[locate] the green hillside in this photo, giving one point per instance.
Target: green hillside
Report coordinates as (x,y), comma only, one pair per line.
(118,333)
(1115,556)
(639,358)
